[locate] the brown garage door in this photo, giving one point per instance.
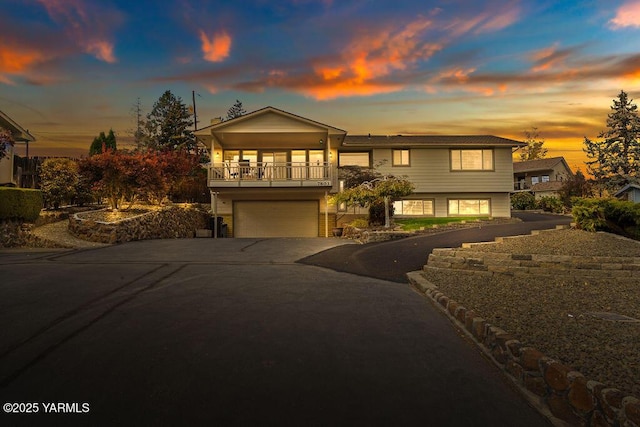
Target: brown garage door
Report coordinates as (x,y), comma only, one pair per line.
(275,219)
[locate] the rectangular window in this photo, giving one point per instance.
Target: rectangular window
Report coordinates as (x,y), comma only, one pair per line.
(464,207)
(401,158)
(361,159)
(545,178)
(413,207)
(472,160)
(535,180)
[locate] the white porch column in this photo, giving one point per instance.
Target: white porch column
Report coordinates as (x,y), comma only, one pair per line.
(326,214)
(214,210)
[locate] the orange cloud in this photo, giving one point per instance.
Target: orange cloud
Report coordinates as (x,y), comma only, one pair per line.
(547,58)
(627,15)
(370,57)
(216,48)
(102,50)
(86,25)
(16,60)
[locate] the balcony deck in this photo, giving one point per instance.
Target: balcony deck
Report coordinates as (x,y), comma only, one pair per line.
(268,174)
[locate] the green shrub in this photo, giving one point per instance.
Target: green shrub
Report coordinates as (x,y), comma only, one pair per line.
(615,216)
(20,203)
(550,204)
(589,214)
(359,223)
(523,201)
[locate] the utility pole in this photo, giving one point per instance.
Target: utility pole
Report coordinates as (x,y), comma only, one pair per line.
(195,115)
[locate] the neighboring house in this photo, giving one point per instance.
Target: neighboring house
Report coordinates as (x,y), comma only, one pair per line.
(543,177)
(272,172)
(630,192)
(20,135)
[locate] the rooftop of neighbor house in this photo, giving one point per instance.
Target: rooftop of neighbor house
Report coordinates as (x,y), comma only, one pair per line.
(626,188)
(18,132)
(539,165)
(429,140)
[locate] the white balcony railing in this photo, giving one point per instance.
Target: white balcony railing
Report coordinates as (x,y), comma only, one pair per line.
(262,174)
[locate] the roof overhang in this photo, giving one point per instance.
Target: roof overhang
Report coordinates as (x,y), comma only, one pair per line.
(428,141)
(18,132)
(270,128)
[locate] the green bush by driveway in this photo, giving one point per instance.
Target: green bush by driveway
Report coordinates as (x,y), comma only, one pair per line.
(612,215)
(20,204)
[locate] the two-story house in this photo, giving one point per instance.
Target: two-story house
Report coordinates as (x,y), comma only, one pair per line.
(272,172)
(542,177)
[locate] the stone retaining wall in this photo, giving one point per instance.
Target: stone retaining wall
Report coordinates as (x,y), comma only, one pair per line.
(167,223)
(552,386)
(545,265)
(566,393)
(15,234)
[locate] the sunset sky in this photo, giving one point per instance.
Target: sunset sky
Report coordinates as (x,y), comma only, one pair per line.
(70,69)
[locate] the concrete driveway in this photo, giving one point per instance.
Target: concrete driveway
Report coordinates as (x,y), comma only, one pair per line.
(232,332)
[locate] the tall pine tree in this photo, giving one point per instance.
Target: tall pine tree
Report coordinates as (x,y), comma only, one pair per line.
(168,125)
(236,110)
(615,161)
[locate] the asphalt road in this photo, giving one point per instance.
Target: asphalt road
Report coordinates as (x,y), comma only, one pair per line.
(392,260)
(232,332)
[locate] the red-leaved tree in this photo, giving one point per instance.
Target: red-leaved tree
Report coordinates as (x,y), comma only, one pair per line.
(130,176)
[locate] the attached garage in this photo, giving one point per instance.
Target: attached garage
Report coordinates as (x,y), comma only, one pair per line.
(275,218)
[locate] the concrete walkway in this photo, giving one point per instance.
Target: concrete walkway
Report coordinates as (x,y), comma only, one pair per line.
(233,332)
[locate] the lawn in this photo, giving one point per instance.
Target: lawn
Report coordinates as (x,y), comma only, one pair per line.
(409,224)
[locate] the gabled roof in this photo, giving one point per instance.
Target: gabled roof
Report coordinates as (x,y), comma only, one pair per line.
(19,133)
(268,110)
(626,188)
(429,140)
(539,165)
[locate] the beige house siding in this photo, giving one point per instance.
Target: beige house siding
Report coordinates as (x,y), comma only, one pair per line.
(430,171)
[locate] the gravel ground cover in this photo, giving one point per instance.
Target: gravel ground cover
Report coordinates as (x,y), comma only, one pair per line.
(553,315)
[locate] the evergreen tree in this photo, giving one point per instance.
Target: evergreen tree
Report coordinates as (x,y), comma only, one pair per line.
(236,110)
(615,161)
(168,125)
(534,149)
(102,143)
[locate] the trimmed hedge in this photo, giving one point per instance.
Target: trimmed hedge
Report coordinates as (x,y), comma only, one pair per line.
(523,201)
(612,215)
(20,204)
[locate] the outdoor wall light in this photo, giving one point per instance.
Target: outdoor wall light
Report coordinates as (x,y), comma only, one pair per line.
(321,142)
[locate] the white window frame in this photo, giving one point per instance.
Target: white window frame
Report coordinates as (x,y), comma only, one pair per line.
(457,159)
(404,157)
(401,203)
(479,202)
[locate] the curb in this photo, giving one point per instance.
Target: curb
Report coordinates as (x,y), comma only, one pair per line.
(559,393)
